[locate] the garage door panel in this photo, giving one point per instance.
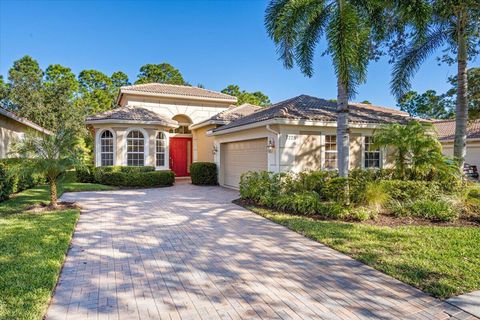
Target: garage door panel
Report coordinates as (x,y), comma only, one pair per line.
(243,156)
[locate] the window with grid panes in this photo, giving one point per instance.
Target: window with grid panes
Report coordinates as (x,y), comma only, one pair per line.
(135,148)
(106,148)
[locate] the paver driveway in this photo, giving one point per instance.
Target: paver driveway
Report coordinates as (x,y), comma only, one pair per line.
(187,252)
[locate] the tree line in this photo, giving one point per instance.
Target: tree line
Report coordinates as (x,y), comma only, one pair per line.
(56,98)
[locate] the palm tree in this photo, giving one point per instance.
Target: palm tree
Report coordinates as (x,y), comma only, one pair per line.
(49,155)
(414,146)
(454,24)
(296,26)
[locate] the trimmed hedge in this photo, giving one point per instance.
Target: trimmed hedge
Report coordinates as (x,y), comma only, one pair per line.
(204,173)
(85,174)
(133,176)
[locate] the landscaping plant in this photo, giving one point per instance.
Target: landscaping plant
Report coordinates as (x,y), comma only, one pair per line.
(49,155)
(204,173)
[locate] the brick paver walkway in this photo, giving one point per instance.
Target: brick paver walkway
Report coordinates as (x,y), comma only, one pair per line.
(187,252)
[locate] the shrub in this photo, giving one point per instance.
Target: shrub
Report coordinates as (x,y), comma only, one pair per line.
(439,210)
(305,203)
(375,195)
(410,190)
(315,181)
(262,187)
(361,214)
(331,210)
(13,180)
(335,190)
(118,177)
(85,174)
(358,181)
(204,173)
(7,183)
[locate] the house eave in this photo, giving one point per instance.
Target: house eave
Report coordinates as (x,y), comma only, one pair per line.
(115,121)
(25,122)
(295,122)
(206,123)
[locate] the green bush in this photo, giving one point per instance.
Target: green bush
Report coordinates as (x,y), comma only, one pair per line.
(125,169)
(331,210)
(402,190)
(262,187)
(7,183)
(439,210)
(335,190)
(85,174)
(204,173)
(315,181)
(117,176)
(361,214)
(13,180)
(322,193)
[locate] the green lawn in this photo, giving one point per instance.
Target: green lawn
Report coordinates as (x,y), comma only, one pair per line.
(443,261)
(32,250)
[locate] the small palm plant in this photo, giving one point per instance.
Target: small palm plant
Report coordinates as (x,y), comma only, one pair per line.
(414,146)
(49,155)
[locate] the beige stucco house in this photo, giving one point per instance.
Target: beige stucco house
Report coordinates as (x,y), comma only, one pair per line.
(446,135)
(299,134)
(12,128)
(160,125)
(171,126)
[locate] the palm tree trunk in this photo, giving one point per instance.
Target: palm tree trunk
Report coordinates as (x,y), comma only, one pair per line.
(343,132)
(461,117)
(53,192)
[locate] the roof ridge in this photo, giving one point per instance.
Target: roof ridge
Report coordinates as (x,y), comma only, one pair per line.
(175,85)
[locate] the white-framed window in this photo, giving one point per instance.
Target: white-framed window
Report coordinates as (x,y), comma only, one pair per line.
(160,145)
(330,152)
(135,148)
(371,156)
(106,148)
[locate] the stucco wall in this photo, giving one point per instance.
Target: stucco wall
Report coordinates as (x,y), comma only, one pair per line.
(203,145)
(196,110)
(10,130)
(302,147)
(473,152)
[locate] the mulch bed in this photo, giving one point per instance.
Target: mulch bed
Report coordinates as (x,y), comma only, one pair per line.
(42,207)
(381,220)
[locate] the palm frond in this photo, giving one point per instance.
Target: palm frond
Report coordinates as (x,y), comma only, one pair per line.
(309,36)
(349,45)
(284,20)
(405,68)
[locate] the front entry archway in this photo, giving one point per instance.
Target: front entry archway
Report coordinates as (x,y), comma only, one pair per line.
(180,155)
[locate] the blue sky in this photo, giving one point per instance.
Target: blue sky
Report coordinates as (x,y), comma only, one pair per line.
(214,43)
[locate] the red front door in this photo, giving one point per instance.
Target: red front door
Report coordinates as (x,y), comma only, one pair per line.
(180,156)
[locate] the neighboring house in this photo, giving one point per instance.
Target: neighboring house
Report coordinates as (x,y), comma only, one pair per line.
(296,135)
(12,128)
(171,126)
(446,135)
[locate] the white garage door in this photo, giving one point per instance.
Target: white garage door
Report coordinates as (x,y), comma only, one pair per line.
(242,156)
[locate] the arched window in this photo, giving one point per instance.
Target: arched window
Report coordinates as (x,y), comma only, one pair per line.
(183,122)
(135,148)
(106,148)
(160,143)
